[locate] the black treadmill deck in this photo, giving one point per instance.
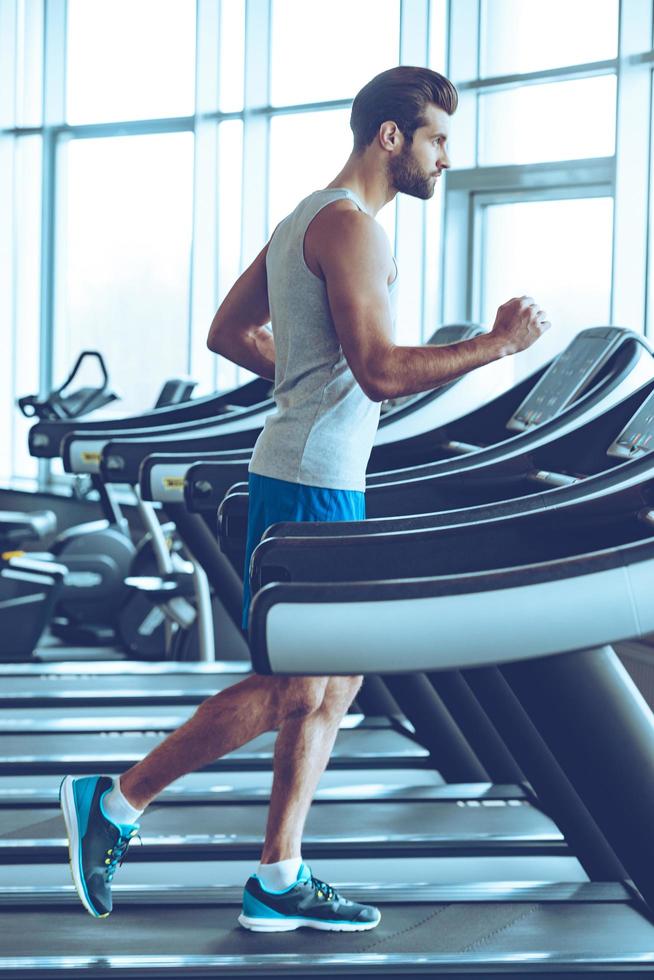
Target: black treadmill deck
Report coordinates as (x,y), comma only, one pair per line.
(431,939)
(224,830)
(116,752)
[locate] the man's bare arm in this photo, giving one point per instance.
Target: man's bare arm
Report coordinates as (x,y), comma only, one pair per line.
(354,257)
(238,330)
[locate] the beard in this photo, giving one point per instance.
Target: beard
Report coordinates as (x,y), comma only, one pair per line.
(408,178)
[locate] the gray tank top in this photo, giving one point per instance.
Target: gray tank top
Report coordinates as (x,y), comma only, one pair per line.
(322,431)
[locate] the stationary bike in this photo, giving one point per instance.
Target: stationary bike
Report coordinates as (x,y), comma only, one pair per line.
(94,606)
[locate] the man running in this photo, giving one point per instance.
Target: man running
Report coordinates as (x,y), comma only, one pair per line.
(326,281)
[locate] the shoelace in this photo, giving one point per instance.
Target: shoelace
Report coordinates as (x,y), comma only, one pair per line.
(323,889)
(116,854)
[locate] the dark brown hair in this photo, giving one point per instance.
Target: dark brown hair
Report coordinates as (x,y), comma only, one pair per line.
(401,94)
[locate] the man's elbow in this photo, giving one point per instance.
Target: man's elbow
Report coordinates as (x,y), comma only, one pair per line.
(214,339)
(376,379)
(375,387)
(374,392)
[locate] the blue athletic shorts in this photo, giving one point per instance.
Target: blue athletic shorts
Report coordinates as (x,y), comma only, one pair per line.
(272,501)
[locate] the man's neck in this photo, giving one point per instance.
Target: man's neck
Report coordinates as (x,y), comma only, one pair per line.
(372,189)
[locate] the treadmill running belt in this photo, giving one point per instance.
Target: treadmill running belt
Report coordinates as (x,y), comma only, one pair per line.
(53,689)
(124,718)
(227,828)
(116,752)
(472,934)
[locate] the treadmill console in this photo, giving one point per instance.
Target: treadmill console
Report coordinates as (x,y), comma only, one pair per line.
(567,377)
(453,333)
(637,437)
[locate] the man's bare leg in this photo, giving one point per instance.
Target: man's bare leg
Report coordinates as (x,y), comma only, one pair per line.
(283,894)
(302,750)
(307,710)
(220,725)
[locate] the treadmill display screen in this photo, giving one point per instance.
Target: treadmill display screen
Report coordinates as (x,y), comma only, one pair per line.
(637,437)
(566,377)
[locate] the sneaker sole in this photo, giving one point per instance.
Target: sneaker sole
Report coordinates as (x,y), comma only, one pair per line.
(69,810)
(289,924)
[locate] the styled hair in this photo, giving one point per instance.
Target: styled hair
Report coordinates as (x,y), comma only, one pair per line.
(401,94)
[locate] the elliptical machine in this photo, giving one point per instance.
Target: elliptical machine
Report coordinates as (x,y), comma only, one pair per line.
(94,606)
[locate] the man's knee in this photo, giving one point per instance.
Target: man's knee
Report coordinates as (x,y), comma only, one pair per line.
(302,696)
(340,692)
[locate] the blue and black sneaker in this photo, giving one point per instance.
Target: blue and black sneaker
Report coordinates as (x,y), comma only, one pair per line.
(308,902)
(96,844)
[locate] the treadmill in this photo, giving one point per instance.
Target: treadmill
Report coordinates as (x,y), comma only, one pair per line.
(523,481)
(599,368)
(123,449)
(365,569)
(610,457)
(493,597)
(612,464)
(478,933)
(46,435)
(601,927)
(216,616)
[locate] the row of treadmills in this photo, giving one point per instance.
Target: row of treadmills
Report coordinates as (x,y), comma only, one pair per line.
(492,788)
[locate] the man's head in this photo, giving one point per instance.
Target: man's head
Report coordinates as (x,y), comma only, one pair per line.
(403,114)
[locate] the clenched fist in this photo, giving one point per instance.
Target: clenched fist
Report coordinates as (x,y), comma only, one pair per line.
(519,323)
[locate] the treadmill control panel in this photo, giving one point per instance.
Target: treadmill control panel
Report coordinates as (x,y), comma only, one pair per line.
(567,377)
(637,437)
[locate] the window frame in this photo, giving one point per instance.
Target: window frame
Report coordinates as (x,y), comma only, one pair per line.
(627,174)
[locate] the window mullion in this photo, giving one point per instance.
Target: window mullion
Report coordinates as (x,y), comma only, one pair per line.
(204,265)
(54,108)
(463,61)
(258,17)
(629,291)
(411,212)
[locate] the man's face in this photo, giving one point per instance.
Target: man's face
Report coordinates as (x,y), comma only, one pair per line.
(418,165)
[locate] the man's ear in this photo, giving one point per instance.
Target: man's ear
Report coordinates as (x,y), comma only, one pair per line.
(389,134)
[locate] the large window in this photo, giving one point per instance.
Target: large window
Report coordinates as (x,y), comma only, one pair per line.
(324,52)
(129,59)
(520,36)
(543,123)
(148,148)
(123,258)
(552,151)
(558,251)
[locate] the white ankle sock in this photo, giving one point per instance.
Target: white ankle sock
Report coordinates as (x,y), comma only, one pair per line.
(117,808)
(276,877)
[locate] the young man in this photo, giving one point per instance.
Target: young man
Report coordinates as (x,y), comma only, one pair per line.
(326,280)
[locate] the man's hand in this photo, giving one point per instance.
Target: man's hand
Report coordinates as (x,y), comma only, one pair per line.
(518,324)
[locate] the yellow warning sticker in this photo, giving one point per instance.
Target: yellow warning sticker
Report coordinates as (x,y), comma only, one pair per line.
(173,482)
(91,457)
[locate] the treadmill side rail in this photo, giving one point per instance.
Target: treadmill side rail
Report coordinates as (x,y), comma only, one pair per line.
(453,621)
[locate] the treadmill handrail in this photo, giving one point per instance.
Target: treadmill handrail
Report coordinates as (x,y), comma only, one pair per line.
(618,477)
(147,433)
(455,548)
(157,432)
(475,619)
(50,433)
(206,481)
